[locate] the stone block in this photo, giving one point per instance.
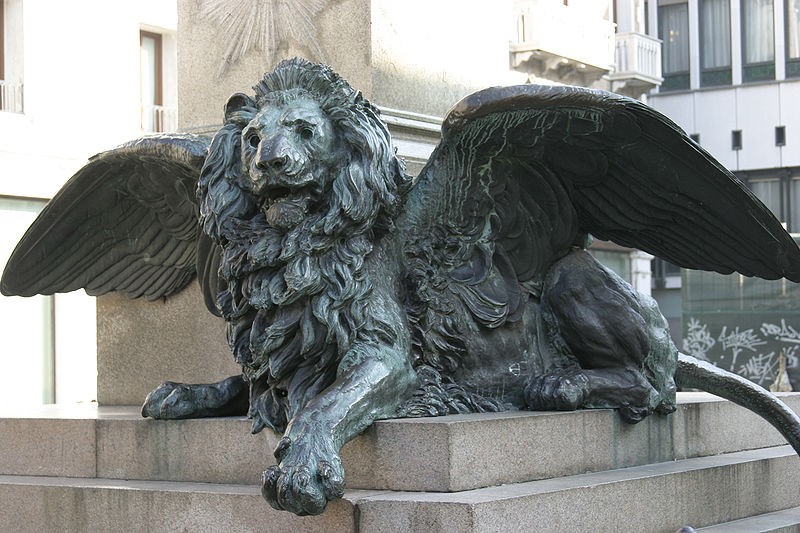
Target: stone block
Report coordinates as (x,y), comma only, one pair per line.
(41,448)
(786,521)
(140,344)
(216,450)
(64,504)
(660,498)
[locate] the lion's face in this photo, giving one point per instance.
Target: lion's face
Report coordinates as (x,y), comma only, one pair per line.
(287,153)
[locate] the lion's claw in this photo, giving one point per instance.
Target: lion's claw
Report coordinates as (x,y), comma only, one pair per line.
(302,483)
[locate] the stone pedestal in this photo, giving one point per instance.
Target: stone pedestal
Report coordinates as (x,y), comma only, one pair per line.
(140,344)
(107,469)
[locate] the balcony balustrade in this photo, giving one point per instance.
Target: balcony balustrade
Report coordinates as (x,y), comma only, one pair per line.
(10,96)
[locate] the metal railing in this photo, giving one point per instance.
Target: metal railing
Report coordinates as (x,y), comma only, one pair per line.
(157,119)
(10,96)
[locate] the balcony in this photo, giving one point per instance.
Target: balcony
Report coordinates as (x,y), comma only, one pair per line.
(638,64)
(158,119)
(10,96)
(567,44)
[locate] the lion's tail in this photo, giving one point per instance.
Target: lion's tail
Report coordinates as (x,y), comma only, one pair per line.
(694,373)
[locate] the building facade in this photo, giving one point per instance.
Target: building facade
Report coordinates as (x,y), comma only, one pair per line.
(68,91)
(731,72)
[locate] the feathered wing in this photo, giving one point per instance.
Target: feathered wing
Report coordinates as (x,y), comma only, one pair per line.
(127,222)
(524,173)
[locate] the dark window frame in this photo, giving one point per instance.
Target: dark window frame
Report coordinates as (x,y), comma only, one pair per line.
(785,176)
(159,64)
(715,76)
(760,70)
(678,80)
(792,63)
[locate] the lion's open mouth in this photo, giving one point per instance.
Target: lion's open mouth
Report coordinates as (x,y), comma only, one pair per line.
(285,207)
(276,194)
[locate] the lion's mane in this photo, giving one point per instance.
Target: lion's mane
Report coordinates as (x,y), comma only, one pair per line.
(295,300)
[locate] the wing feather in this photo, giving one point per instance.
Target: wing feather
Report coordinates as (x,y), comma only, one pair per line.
(552,164)
(127,221)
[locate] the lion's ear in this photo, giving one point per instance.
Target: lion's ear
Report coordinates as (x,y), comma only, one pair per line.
(236,103)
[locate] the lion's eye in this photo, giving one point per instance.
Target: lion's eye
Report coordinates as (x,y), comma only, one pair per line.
(305,132)
(253,140)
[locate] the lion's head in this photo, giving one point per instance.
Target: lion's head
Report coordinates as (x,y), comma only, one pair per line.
(306,149)
(298,184)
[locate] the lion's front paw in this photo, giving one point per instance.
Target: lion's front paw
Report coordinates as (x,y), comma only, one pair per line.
(308,475)
(180,400)
(169,401)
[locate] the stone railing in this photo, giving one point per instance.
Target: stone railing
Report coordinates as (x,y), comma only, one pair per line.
(638,56)
(156,118)
(10,96)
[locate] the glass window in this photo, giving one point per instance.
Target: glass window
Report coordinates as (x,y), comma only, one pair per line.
(151,92)
(715,42)
(769,191)
(619,262)
(673,30)
(758,42)
(27,323)
(794,205)
(792,38)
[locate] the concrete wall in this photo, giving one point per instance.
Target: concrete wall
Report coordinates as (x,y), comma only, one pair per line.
(427,63)
(342,30)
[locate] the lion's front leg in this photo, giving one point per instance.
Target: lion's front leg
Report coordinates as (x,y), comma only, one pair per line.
(372,382)
(183,400)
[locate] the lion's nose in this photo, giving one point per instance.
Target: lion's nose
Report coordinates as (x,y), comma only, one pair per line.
(273,163)
(272,154)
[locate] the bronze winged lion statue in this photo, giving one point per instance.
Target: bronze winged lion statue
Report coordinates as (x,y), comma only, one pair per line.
(353,292)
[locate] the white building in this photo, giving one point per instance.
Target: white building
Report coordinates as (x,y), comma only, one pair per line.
(64,68)
(732,80)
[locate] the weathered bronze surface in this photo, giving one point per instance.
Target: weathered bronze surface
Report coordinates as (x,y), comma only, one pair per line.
(354,293)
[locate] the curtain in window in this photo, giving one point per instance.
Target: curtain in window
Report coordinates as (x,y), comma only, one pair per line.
(715,33)
(759,26)
(769,192)
(794,205)
(793,29)
(673,30)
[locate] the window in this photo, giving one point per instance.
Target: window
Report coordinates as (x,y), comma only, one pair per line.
(28,365)
(794,204)
(792,38)
(758,41)
(49,342)
(2,40)
(11,56)
(619,262)
(715,42)
(151,83)
(768,191)
(673,30)
(780,135)
(779,190)
(736,140)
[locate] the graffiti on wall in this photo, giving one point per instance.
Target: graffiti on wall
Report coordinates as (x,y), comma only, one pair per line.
(753,352)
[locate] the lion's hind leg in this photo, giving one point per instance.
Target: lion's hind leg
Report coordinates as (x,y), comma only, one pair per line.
(171,400)
(611,346)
